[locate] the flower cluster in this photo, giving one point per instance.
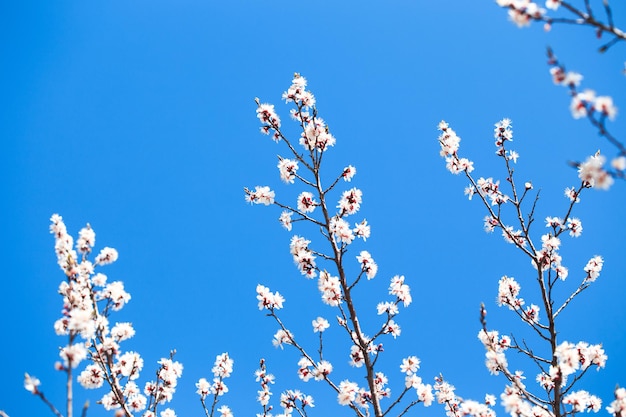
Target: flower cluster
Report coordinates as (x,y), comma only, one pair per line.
(401,290)
(261,195)
(593,174)
(457,407)
(571,358)
(88,300)
(582,401)
(522,12)
(409,368)
(368,266)
(450,142)
(162,390)
(584,102)
(291,400)
(318,371)
(515,403)
(270,120)
(264,379)
(330,287)
(618,406)
(593,268)
(548,257)
(288,169)
(269,300)
(303,257)
(350,393)
(495,358)
(508,290)
(222,369)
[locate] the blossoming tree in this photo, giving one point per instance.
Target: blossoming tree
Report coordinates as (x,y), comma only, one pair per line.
(323,250)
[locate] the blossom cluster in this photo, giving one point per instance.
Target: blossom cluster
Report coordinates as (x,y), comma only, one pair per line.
(618,406)
(495,345)
(88,301)
(458,407)
(317,371)
(593,174)
(269,300)
(222,369)
(290,400)
(584,102)
(303,257)
(450,141)
(571,358)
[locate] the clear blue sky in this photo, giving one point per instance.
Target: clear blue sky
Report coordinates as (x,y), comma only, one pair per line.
(139,118)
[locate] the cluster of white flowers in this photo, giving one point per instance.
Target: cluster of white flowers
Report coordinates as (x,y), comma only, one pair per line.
(288,169)
(222,369)
(618,406)
(514,237)
(285,219)
(31,384)
(548,257)
(357,359)
(400,290)
(496,346)
(306,202)
(508,291)
(282,337)
(489,189)
(303,257)
(444,393)
(350,202)
(368,266)
(316,136)
(582,401)
(320,324)
(268,300)
(350,393)
(318,371)
(522,12)
(572,358)
(572,194)
(265,379)
(593,268)
(409,368)
(164,387)
(348,173)
(593,174)
(261,195)
(503,132)
(340,230)
(587,104)
(450,142)
(294,400)
(87,302)
(267,115)
(297,93)
(515,404)
(583,102)
(380,384)
(330,287)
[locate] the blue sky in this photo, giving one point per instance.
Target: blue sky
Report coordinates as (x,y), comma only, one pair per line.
(139,118)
